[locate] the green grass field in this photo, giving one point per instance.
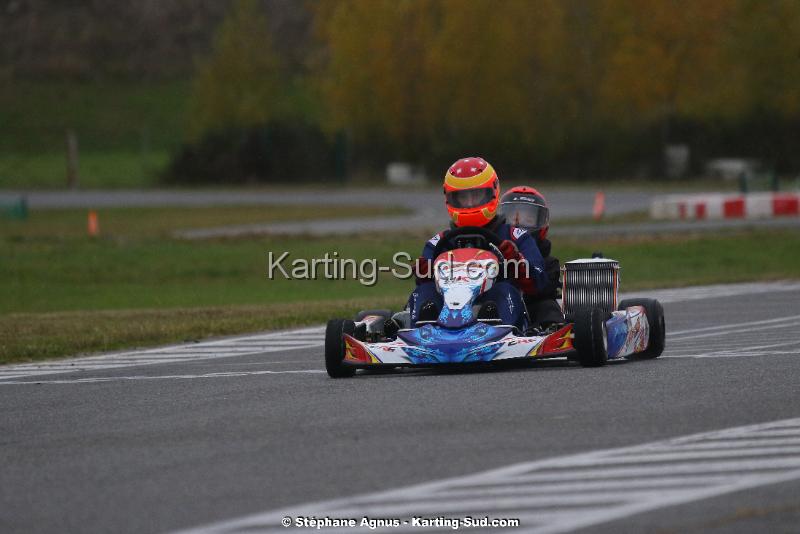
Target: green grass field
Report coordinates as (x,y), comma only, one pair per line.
(125,131)
(111,169)
(64,293)
(106,116)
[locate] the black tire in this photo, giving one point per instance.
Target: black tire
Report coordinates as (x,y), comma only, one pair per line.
(334,348)
(386,314)
(655,320)
(591,339)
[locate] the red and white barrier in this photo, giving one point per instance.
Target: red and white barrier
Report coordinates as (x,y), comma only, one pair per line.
(726,206)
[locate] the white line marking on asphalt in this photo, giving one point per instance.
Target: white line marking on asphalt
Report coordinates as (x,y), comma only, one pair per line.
(254,344)
(739,443)
(586,485)
(739,340)
(571,492)
(772,349)
(227,374)
(740,327)
(684,294)
(735,326)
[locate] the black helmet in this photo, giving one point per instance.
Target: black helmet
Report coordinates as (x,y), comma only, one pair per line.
(525,207)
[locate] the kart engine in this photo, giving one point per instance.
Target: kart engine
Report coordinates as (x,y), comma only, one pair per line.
(589,283)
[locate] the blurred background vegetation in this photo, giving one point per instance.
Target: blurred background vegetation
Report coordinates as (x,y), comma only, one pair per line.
(251,91)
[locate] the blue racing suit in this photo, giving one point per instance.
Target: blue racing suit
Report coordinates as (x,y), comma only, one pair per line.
(506,294)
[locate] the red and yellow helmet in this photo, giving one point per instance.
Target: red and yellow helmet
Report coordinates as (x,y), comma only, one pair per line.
(471,192)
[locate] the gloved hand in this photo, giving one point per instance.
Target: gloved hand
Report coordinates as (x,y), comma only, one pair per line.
(553,269)
(516,266)
(545,246)
(423,270)
(510,251)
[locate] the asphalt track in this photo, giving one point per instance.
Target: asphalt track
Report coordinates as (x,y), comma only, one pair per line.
(571,202)
(426,205)
(236,436)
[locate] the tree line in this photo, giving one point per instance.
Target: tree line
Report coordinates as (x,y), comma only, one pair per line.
(555,87)
(575,88)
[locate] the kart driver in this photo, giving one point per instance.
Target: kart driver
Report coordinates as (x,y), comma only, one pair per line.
(472,191)
(525,207)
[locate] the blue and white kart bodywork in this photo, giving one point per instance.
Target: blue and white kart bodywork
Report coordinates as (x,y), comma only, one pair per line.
(459,337)
(626,333)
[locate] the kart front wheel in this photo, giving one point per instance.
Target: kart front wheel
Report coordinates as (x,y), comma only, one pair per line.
(655,321)
(591,337)
(334,348)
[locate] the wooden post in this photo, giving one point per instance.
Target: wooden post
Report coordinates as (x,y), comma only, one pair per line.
(72,159)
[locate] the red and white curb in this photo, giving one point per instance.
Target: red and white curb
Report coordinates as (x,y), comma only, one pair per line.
(726,206)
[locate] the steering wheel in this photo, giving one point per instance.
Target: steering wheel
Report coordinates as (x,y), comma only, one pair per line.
(470,236)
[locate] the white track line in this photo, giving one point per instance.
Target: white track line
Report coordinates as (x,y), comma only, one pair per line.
(716,291)
(571,492)
(738,340)
(228,374)
(751,325)
(272,342)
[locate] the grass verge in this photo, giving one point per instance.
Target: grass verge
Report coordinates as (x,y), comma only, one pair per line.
(38,336)
(107,169)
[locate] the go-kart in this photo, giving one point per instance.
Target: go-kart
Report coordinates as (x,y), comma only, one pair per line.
(467,263)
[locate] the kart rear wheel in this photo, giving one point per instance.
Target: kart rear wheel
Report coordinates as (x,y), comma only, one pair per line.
(655,320)
(334,348)
(591,337)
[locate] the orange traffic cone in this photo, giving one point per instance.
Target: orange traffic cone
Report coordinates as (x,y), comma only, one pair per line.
(599,208)
(92,224)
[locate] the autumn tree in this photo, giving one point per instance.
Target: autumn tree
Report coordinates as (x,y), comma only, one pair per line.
(491,75)
(372,80)
(436,75)
(662,57)
(238,86)
(764,44)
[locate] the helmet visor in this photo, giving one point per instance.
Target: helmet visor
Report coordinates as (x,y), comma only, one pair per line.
(470,198)
(525,215)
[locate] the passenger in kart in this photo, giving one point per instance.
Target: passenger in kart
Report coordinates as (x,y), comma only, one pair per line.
(525,207)
(472,191)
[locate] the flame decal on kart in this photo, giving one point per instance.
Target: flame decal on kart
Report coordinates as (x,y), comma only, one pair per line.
(355,351)
(537,350)
(558,341)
